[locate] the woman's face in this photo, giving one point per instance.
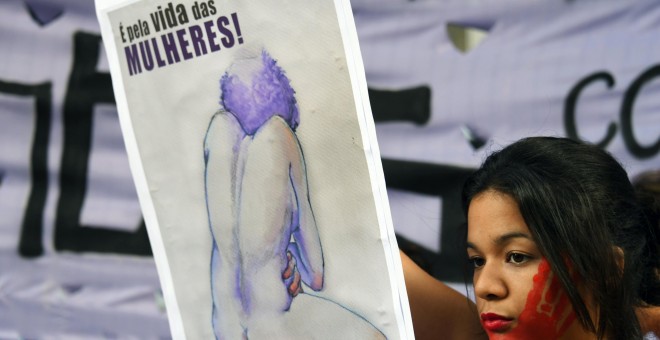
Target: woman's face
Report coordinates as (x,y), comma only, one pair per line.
(517,295)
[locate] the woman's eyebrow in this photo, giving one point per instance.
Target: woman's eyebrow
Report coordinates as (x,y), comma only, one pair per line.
(509,236)
(503,239)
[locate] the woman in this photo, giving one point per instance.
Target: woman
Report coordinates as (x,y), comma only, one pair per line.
(561,247)
(565,214)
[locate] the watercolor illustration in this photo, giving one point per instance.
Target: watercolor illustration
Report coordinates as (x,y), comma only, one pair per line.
(267,260)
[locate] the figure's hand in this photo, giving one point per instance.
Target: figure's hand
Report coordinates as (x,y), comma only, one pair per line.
(291,276)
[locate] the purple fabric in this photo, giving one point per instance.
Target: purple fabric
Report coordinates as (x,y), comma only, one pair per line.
(253,101)
(44,12)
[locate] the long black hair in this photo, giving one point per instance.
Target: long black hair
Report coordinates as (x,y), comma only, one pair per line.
(581,208)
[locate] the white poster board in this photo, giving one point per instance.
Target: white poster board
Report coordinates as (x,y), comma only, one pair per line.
(251,143)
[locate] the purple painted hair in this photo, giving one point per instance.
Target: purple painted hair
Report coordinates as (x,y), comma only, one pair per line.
(265,94)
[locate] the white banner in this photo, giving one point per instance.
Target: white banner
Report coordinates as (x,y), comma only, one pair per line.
(75,260)
(584,69)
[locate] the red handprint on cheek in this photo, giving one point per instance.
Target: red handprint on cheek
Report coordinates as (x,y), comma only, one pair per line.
(548,312)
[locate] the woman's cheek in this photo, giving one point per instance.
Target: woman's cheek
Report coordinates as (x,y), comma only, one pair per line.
(548,312)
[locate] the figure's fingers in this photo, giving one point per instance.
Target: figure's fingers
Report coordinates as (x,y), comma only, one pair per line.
(287,273)
(292,259)
(295,288)
(291,265)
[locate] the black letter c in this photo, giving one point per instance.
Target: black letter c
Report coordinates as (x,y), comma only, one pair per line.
(571,100)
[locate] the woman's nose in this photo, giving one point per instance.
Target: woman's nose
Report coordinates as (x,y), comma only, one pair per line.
(489,283)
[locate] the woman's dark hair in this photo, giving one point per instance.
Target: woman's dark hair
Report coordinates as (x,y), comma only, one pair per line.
(581,209)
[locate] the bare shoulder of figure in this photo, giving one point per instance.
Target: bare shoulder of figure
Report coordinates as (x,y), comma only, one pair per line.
(276,126)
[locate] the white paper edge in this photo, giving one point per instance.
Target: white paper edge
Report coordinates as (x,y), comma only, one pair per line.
(135,163)
(377,177)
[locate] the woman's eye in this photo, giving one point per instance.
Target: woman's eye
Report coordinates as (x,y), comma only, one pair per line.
(477,262)
(517,258)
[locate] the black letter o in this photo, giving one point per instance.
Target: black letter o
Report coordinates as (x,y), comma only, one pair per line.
(626,115)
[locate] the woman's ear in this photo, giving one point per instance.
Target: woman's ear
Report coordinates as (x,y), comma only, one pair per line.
(620,258)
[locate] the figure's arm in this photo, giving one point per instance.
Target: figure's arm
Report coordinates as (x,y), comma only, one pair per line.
(437,310)
(307,246)
(223,136)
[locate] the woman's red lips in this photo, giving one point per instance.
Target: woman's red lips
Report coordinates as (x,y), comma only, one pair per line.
(494,322)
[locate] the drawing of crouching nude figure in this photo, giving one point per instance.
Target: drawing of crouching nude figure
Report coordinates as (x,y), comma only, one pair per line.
(265,238)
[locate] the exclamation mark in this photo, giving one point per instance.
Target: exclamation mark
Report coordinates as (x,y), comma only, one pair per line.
(234,17)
